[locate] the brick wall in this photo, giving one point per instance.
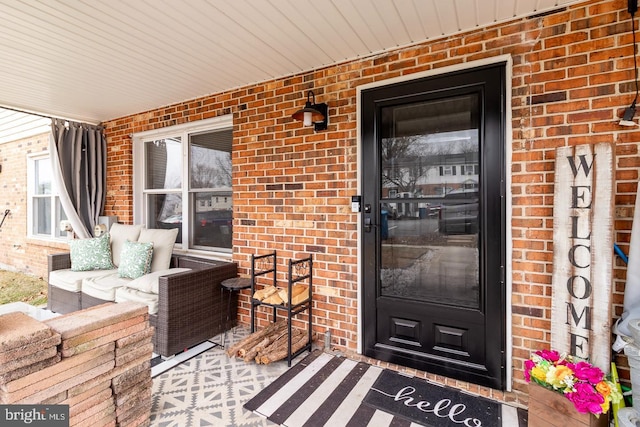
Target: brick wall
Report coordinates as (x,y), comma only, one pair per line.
(18,252)
(572,77)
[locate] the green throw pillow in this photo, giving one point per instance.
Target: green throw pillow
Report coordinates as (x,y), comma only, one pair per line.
(135,259)
(91,254)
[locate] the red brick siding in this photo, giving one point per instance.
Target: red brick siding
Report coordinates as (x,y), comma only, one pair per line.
(572,77)
(17,251)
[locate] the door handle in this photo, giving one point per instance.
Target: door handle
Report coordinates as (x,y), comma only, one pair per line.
(367,225)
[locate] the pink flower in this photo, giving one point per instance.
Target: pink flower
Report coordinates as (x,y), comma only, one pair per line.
(586,399)
(550,355)
(586,371)
(528,366)
(583,384)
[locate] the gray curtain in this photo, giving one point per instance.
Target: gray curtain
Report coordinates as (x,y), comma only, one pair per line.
(79,163)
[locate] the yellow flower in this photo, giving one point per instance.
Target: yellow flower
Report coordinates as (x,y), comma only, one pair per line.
(604,389)
(538,373)
(557,375)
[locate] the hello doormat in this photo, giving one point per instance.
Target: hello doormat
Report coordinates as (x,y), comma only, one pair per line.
(432,405)
(327,390)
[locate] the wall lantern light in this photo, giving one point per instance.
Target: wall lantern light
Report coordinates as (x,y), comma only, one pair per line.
(630,111)
(312,113)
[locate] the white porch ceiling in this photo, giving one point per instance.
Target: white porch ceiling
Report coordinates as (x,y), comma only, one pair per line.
(94,60)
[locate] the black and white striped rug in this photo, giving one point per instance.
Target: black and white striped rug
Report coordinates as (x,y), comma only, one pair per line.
(326,390)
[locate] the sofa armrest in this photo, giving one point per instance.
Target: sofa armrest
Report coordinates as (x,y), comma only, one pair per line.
(60,300)
(190,305)
(58,261)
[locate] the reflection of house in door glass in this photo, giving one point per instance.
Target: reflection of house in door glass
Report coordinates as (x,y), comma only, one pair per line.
(430,165)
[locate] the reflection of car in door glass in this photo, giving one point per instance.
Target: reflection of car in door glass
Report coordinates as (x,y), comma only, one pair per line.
(459,212)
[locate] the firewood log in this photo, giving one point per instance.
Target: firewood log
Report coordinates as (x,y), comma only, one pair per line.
(295,291)
(256,337)
(249,353)
(302,296)
(273,330)
(272,345)
(253,352)
(273,299)
(279,344)
(265,292)
(298,341)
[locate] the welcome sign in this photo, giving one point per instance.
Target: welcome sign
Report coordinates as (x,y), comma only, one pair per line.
(583,252)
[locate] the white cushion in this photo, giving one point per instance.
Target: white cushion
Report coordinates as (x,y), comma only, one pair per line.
(149,282)
(72,280)
(120,233)
(103,286)
(163,241)
(128,294)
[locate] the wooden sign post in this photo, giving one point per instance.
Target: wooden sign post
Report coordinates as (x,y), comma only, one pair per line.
(583,252)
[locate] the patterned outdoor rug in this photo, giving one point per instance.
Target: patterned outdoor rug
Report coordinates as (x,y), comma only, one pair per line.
(325,390)
(210,388)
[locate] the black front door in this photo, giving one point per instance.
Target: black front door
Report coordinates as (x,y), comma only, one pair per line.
(433,224)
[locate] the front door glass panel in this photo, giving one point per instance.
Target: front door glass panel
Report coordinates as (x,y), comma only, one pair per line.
(429,201)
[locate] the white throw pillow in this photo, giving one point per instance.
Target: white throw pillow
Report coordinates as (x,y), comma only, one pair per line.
(163,241)
(120,233)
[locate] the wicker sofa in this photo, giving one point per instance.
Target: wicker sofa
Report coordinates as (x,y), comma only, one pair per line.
(189,303)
